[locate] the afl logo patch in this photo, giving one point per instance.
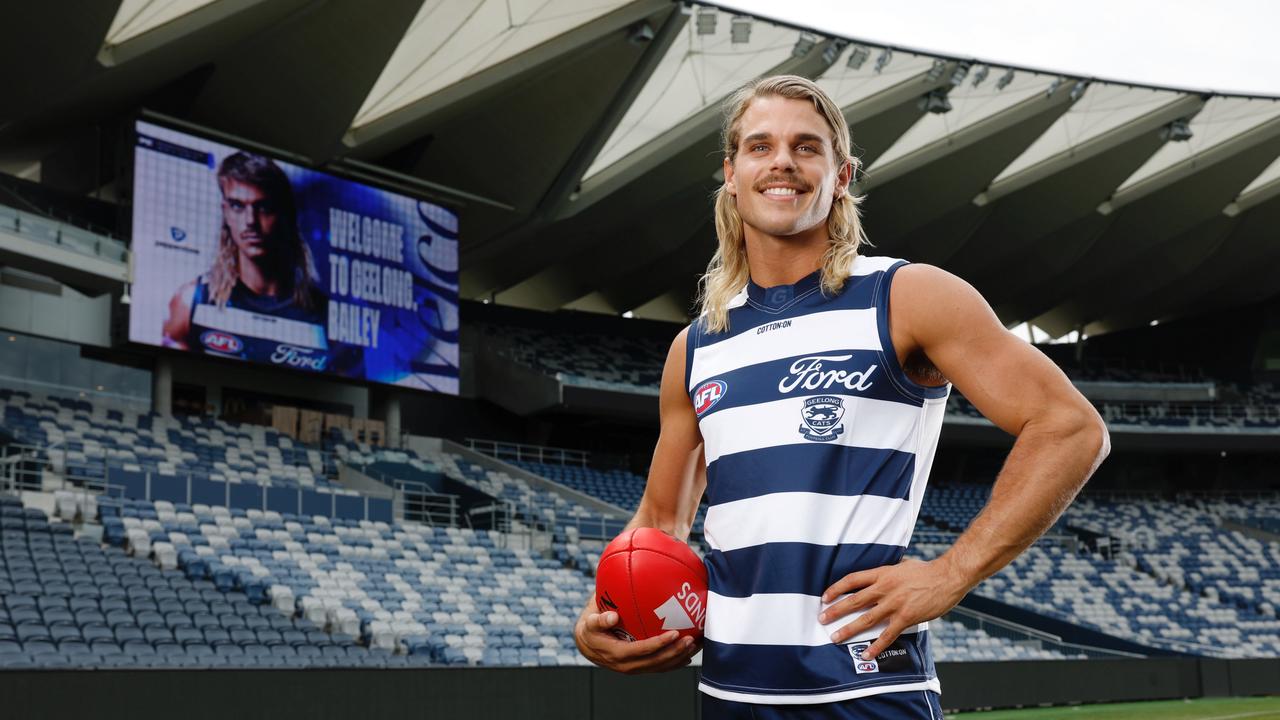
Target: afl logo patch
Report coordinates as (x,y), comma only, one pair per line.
(707,395)
(221,342)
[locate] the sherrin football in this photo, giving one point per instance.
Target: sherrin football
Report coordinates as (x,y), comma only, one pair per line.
(654,582)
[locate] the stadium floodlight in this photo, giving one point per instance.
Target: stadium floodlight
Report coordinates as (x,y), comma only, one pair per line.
(834,48)
(1005,79)
(628,314)
(1177,131)
(935,72)
(706,21)
(980,74)
(740,30)
(883,61)
(640,34)
(1078,89)
(804,44)
(958,76)
(857,57)
(936,102)
(1053,87)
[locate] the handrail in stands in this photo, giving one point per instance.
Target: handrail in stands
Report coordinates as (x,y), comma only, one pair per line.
(529,453)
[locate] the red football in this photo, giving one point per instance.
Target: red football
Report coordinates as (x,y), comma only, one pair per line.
(654,582)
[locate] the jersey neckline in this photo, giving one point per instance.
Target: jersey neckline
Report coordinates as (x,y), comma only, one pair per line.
(779,295)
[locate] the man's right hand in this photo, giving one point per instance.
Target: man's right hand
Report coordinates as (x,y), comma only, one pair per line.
(596,641)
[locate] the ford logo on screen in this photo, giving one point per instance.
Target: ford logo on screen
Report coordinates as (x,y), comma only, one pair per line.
(297,357)
(221,342)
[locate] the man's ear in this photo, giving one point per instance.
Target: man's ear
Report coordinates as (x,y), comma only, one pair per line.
(729,185)
(843,178)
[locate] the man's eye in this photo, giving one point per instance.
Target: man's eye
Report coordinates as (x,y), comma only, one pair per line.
(758,148)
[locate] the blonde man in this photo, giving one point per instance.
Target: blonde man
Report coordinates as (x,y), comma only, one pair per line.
(262,267)
(806,401)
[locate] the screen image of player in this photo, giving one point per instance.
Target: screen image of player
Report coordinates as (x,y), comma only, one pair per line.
(240,255)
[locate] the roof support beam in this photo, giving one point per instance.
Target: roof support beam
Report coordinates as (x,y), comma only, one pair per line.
(490,80)
(1183,107)
(1192,165)
(705,122)
(566,182)
(967,136)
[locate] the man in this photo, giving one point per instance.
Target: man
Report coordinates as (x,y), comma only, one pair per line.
(261,290)
(807,401)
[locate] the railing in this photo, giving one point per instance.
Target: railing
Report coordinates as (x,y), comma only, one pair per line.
(110,400)
(529,453)
(1022,634)
(424,506)
(23,466)
(52,232)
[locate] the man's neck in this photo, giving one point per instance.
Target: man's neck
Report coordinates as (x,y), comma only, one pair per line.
(784,260)
(259,282)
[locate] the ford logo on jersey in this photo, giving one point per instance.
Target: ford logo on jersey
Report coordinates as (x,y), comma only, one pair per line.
(707,395)
(177,233)
(221,342)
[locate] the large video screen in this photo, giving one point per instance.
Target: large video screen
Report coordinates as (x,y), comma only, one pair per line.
(239,255)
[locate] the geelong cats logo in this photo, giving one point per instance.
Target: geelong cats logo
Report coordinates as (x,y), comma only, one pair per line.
(822,415)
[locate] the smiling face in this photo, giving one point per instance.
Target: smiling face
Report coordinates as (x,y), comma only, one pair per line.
(785,172)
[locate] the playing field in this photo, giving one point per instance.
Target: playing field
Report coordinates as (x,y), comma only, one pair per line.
(1203,709)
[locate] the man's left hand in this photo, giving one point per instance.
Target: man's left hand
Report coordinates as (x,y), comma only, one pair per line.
(903,595)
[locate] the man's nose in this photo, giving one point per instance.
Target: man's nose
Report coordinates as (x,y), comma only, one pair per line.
(783,159)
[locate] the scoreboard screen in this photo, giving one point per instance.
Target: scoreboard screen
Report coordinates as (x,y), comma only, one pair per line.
(241,255)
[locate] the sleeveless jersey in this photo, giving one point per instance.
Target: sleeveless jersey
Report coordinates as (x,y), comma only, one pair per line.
(256,327)
(818,448)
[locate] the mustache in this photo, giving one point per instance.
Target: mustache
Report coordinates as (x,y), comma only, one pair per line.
(787,180)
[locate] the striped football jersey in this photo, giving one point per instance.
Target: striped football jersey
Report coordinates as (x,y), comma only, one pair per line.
(818,447)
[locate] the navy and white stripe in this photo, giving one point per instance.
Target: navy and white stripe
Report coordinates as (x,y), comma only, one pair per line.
(795,503)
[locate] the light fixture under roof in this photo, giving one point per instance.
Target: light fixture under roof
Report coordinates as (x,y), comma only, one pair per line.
(1078,89)
(1005,79)
(1053,87)
(706,21)
(959,74)
(857,57)
(832,53)
(936,102)
(740,30)
(935,72)
(804,44)
(883,61)
(1177,131)
(980,74)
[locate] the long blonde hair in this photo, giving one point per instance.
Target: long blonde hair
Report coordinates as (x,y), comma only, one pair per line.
(728,272)
(293,254)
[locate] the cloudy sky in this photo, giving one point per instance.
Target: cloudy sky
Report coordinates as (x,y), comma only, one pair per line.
(1223,45)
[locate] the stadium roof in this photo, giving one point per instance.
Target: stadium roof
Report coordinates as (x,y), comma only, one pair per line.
(580,140)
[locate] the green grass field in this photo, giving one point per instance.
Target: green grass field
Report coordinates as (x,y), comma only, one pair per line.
(1203,709)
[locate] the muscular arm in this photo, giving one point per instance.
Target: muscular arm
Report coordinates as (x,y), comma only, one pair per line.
(1061,440)
(677,478)
(677,474)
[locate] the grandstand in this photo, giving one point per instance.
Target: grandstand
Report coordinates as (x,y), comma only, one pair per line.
(394,497)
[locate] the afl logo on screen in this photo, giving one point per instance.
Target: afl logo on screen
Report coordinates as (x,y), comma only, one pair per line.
(221,342)
(707,395)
